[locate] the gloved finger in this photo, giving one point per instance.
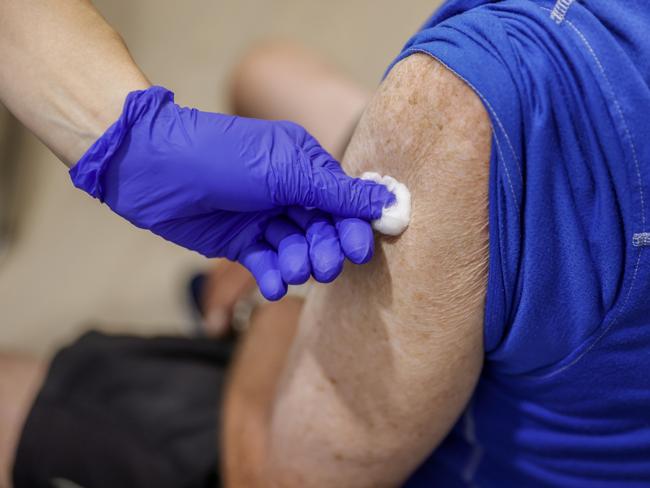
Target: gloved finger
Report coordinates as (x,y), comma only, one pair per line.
(356,238)
(293,250)
(325,252)
(262,262)
(355,235)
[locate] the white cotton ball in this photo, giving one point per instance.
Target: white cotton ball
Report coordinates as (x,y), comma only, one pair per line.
(394,219)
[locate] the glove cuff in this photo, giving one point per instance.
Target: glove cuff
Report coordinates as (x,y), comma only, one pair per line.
(87,173)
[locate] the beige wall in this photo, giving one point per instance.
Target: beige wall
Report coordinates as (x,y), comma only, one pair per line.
(75,263)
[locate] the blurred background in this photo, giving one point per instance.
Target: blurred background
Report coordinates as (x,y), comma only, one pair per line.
(66,262)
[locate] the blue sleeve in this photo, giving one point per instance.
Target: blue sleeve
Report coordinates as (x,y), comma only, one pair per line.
(561,190)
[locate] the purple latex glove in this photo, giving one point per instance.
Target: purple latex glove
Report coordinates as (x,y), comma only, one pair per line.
(260,192)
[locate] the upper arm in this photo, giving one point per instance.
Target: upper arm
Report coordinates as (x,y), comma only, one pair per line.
(387,357)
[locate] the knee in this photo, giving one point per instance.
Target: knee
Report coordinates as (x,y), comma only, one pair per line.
(260,69)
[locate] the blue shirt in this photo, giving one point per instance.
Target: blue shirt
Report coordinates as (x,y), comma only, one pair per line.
(564,396)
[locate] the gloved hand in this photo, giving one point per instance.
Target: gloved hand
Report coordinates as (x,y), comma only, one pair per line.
(260,192)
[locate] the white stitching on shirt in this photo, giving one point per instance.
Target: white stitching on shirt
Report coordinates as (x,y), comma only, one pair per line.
(560,9)
(620,113)
(641,239)
(496,138)
(488,105)
(603,332)
(623,306)
(512,149)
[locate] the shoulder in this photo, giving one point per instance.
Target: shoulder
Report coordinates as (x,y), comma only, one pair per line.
(428,129)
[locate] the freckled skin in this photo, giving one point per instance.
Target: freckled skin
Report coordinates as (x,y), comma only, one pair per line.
(387,356)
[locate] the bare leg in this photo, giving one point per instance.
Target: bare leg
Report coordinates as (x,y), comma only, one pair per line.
(280,80)
(20,378)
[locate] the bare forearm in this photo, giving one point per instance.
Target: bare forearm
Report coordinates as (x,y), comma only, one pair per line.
(65,72)
(251,391)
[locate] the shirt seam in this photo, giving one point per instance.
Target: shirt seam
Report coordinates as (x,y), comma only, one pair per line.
(589,345)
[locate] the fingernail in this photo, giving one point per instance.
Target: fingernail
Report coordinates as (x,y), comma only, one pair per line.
(272,286)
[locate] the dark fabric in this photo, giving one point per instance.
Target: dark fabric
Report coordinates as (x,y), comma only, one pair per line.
(128,412)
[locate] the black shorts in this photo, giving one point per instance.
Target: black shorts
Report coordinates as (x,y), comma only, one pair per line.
(118,411)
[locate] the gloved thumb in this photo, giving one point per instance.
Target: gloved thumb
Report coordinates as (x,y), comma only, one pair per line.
(339,194)
(316,180)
